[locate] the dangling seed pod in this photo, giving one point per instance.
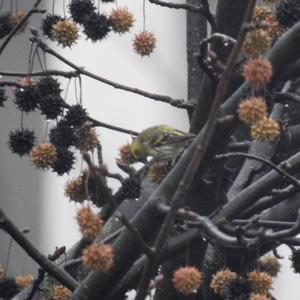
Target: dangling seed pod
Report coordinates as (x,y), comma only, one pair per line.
(5,25)
(98,257)
(295,259)
(256,42)
(48,86)
(81,9)
(96,27)
(121,19)
(265,129)
(60,292)
(260,282)
(144,43)
(51,106)
(76,116)
(26,98)
(62,135)
(64,161)
(43,156)
(65,32)
(47,24)
(16,17)
(8,288)
(187,280)
(21,141)
(288,12)
(221,281)
(252,110)
(75,190)
(3,97)
(125,156)
(258,71)
(24,280)
(89,222)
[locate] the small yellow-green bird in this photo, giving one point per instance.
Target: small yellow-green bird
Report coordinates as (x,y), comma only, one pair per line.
(162,142)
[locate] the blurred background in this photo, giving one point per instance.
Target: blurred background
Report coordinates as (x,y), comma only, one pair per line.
(35,199)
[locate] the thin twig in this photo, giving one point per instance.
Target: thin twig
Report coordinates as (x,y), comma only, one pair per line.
(179,103)
(289,178)
(202,142)
(67,74)
(19,25)
(202,9)
(41,272)
(284,97)
(145,248)
(60,275)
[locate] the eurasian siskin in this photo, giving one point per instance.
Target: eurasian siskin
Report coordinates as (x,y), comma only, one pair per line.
(162,142)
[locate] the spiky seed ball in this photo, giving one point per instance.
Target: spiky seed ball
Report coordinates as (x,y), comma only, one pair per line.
(65,32)
(258,71)
(43,155)
(86,138)
(144,43)
(64,161)
(89,222)
(60,292)
(27,81)
(125,155)
(221,280)
(238,289)
(187,280)
(97,193)
(98,257)
(2,273)
(269,264)
(21,141)
(295,260)
(288,12)
(260,282)
(265,129)
(8,288)
(26,98)
(48,86)
(259,297)
(81,9)
(256,42)
(5,25)
(24,280)
(74,190)
(265,15)
(158,171)
(122,19)
(47,24)
(76,115)
(96,26)
(51,106)
(252,110)
(62,135)
(16,17)
(3,97)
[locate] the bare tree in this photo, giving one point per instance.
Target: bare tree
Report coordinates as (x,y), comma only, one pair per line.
(197,226)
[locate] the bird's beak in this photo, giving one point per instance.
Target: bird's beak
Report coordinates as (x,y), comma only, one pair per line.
(143,160)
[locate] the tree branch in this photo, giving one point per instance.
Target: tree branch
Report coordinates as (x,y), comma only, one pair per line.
(285,176)
(59,274)
(19,25)
(202,9)
(179,103)
(67,74)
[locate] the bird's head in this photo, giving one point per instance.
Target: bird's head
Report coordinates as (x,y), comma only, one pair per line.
(138,151)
